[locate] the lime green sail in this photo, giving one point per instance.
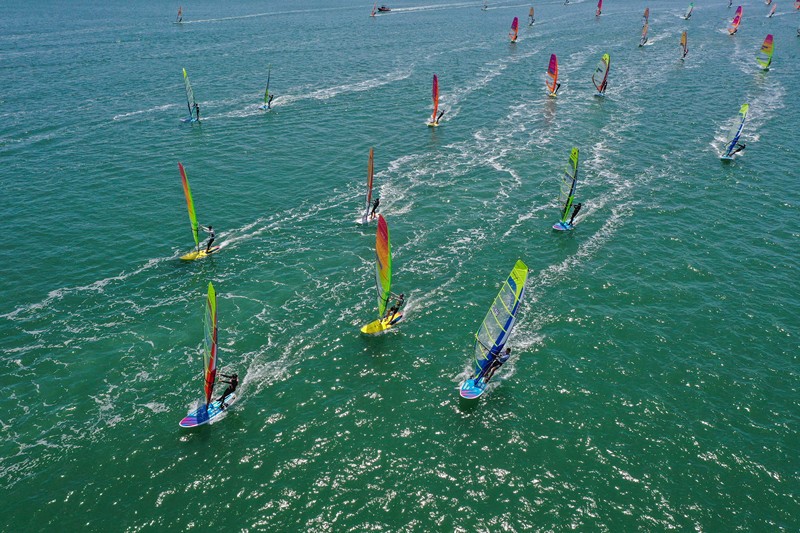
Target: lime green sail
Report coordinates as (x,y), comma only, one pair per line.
(569,180)
(187,192)
(383,265)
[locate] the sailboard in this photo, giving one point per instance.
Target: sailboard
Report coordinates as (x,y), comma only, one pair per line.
(600,76)
(365,218)
(735,133)
(569,180)
(772,11)
(190,101)
(531,20)
(209,410)
(644,35)
(689,11)
(435,93)
(737,18)
(494,331)
(265,106)
(187,192)
(684,48)
(374,9)
(552,76)
(179,18)
(764,56)
(383,281)
(485,6)
(599,8)
(646,16)
(514,30)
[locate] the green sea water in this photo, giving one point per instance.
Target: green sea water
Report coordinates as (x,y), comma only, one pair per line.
(654,383)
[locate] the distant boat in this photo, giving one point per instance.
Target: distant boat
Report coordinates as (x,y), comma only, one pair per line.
(772,11)
(644,35)
(495,330)
(190,101)
(514,30)
(435,93)
(689,11)
(374,9)
(552,76)
(209,410)
(733,146)
(646,16)
(600,76)
(383,9)
(383,281)
(684,48)
(599,8)
(737,18)
(531,20)
(569,180)
(764,56)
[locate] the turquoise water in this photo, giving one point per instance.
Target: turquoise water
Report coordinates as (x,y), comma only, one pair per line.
(654,383)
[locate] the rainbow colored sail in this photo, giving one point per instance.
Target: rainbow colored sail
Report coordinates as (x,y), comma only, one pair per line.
(764,56)
(599,8)
(737,19)
(435,94)
(514,30)
(187,192)
(569,180)
(370,174)
(552,75)
(210,344)
(383,265)
(496,327)
(600,76)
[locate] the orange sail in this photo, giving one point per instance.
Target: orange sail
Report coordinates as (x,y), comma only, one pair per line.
(552,75)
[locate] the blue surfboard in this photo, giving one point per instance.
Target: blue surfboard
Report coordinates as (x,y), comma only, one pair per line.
(205,414)
(472,389)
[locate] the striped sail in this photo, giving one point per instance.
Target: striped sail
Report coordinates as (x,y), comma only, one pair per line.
(210,344)
(569,180)
(552,74)
(496,327)
(383,265)
(370,172)
(600,76)
(189,92)
(737,18)
(514,30)
(435,93)
(187,192)
(764,56)
(736,132)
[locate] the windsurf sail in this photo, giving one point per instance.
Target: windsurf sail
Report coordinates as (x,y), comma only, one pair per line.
(772,11)
(383,266)
(689,11)
(764,56)
(683,45)
(514,30)
(187,192)
(737,18)
(210,344)
(435,93)
(644,35)
(374,9)
(530,17)
(646,16)
(599,8)
(180,14)
(600,76)
(736,132)
(370,173)
(552,75)
(266,91)
(569,180)
(496,327)
(189,93)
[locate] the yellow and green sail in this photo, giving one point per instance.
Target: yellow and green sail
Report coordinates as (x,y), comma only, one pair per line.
(569,180)
(764,56)
(210,344)
(190,101)
(383,265)
(187,192)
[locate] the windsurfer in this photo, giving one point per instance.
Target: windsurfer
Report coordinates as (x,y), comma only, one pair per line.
(739,148)
(495,363)
(269,102)
(211,235)
(441,113)
(197,111)
(232,384)
(558,86)
(375,204)
(575,212)
(393,310)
